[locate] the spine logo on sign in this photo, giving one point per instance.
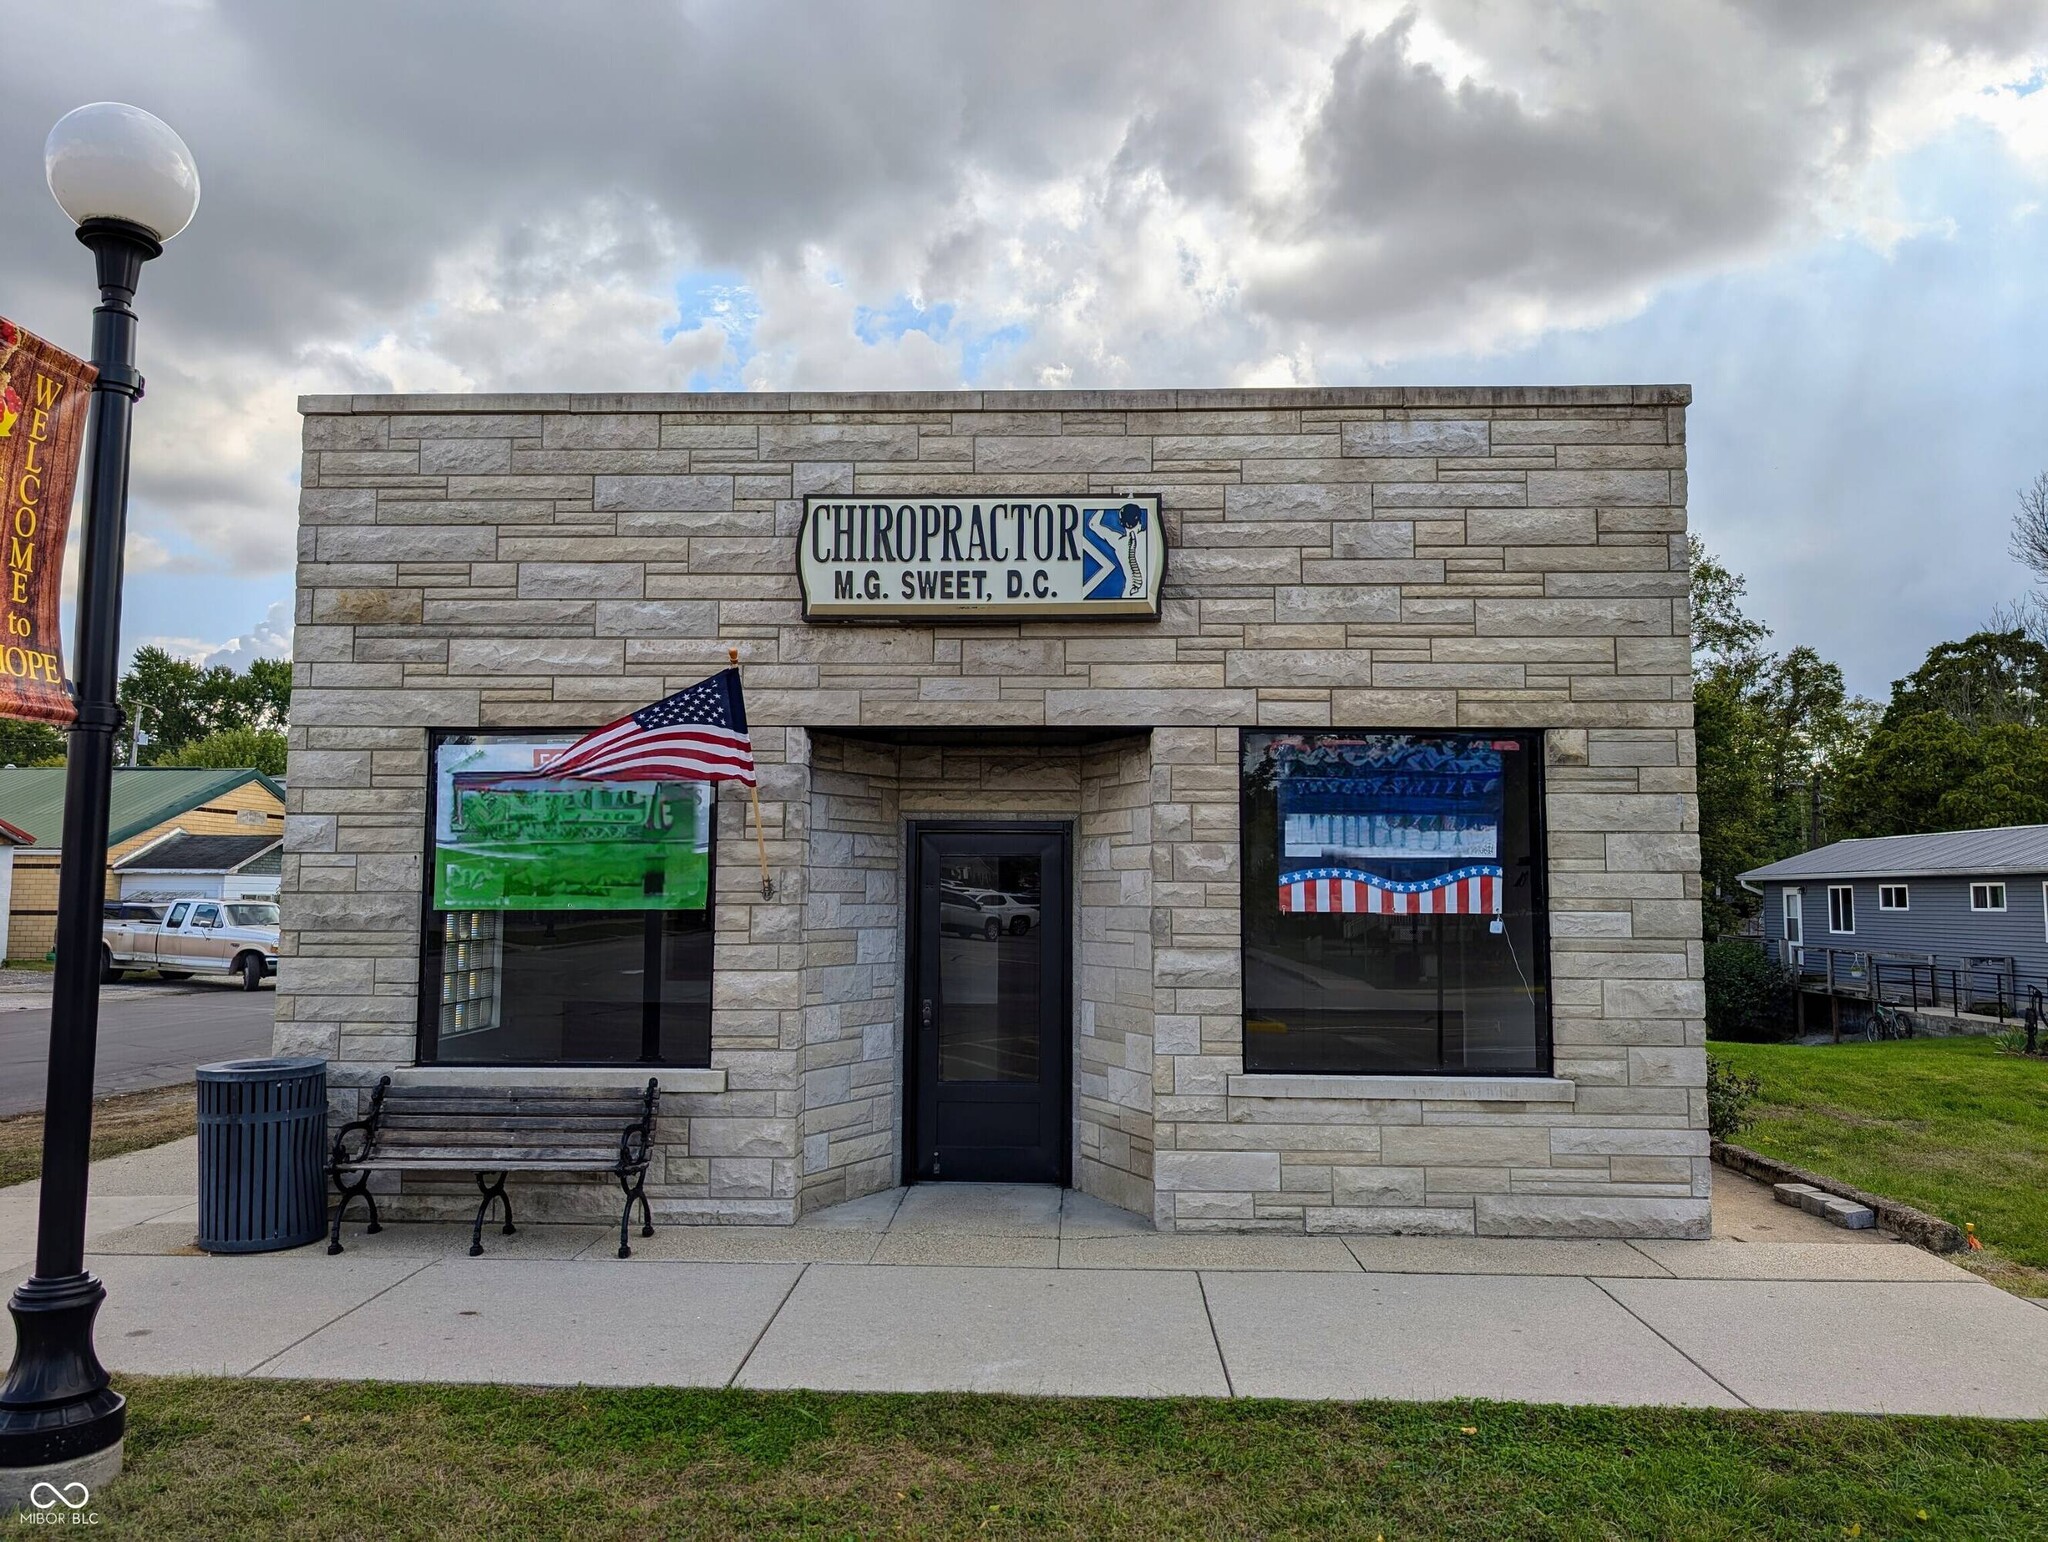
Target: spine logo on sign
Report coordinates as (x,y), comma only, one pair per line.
(981,557)
(1111,567)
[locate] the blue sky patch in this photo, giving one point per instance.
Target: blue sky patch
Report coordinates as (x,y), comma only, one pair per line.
(719,297)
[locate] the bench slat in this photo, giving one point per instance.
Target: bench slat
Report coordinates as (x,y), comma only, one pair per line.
(466,1140)
(468,1108)
(488,1123)
(497,1163)
(482,1153)
(433,1094)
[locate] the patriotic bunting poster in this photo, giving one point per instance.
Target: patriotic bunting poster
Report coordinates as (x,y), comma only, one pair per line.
(1389,824)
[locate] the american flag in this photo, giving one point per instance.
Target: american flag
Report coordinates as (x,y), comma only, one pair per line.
(696,735)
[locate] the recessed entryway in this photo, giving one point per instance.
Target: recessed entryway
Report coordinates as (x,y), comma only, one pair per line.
(989,1007)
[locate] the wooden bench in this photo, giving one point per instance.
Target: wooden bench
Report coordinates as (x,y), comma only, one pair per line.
(491,1132)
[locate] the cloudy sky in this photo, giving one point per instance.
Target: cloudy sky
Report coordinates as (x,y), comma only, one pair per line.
(1830,219)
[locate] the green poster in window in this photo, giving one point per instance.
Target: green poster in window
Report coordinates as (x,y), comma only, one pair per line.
(511,841)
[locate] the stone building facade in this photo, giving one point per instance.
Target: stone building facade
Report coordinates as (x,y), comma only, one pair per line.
(1357,559)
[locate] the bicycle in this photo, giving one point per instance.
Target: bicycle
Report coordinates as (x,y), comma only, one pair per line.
(1886,1022)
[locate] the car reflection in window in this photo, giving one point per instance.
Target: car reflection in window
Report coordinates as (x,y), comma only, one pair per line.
(985,913)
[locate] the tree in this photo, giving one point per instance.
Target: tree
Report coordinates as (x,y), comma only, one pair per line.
(30,744)
(1986,679)
(1929,771)
(1898,782)
(167,691)
(231,748)
(2029,548)
(2030,528)
(1722,636)
(267,691)
(2007,786)
(1773,734)
(185,702)
(1735,805)
(1963,745)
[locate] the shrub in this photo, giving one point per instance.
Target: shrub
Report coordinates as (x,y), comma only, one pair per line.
(1750,996)
(1729,1094)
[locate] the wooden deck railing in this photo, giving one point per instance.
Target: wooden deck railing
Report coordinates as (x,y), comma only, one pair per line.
(1990,985)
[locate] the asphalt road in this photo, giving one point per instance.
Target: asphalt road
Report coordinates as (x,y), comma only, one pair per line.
(152,1033)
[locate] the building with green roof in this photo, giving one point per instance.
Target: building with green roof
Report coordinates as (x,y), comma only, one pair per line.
(149,803)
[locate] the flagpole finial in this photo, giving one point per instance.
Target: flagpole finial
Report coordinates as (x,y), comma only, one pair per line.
(732,655)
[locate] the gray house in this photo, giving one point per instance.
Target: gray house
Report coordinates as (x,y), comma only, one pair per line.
(1952,911)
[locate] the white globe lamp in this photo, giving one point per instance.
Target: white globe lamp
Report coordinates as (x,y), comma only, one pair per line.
(108,160)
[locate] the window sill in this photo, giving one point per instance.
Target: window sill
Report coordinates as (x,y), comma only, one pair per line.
(625,1078)
(1437,1089)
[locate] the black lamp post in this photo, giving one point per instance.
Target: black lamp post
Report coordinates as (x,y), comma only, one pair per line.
(131,185)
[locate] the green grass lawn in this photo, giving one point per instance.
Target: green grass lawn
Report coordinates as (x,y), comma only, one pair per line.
(1953,1126)
(215,1457)
(122,1122)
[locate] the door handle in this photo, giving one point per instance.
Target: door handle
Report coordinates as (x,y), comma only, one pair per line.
(925,1016)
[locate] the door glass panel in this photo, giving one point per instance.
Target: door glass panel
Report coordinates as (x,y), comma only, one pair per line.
(989,967)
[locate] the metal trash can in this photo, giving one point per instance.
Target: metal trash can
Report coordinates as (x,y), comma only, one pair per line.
(262,1156)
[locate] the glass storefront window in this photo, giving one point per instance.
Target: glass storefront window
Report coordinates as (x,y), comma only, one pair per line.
(566,924)
(1393,910)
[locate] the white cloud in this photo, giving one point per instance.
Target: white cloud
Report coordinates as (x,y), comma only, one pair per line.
(269,638)
(1147,193)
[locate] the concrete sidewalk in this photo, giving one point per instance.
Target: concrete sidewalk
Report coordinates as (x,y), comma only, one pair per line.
(1033,1290)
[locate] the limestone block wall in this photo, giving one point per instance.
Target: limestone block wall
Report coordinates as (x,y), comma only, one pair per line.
(853,974)
(1358,558)
(1117,1023)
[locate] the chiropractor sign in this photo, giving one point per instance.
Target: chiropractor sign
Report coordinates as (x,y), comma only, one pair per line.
(44,392)
(935,557)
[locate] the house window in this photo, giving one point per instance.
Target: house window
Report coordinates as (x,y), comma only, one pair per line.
(1987,896)
(1893,896)
(1841,909)
(1393,903)
(566,923)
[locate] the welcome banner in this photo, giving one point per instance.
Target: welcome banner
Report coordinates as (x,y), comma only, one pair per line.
(44,392)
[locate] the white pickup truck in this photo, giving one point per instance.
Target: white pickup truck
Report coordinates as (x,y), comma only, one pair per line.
(181,938)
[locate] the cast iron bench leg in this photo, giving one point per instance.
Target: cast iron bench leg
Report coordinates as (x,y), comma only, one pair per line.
(348,1192)
(636,1190)
(491,1190)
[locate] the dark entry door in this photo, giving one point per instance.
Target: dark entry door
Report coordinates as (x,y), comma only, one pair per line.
(988,1004)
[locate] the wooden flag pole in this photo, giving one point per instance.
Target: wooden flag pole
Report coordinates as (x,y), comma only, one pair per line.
(754,793)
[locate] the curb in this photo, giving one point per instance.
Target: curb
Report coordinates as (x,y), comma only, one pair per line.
(1903,1221)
